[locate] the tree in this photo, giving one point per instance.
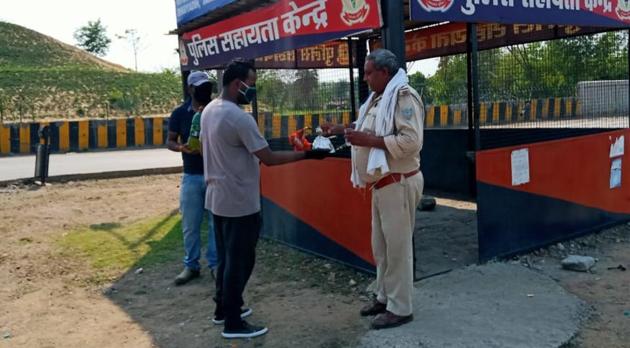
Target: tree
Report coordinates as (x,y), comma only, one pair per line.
(304,88)
(133,37)
(420,83)
(93,38)
(271,90)
(448,85)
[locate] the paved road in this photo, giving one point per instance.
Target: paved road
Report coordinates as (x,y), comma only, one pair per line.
(22,167)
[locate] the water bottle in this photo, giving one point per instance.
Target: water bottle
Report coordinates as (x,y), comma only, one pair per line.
(195,128)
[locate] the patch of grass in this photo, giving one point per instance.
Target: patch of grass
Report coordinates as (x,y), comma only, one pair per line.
(114,248)
(105,226)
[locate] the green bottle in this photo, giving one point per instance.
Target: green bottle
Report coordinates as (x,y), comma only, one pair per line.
(195,128)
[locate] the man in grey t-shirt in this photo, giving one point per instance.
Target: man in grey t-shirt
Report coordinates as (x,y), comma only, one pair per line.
(232,147)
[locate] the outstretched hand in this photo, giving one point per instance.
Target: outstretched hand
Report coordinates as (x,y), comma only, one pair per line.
(317,154)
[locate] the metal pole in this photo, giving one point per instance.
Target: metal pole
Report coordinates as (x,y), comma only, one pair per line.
(393,38)
(219,81)
(353,103)
(185,84)
(363,87)
(471,39)
(469,84)
(475,83)
(255,108)
(42,156)
(393,32)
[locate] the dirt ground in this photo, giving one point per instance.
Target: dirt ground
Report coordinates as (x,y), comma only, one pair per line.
(49,299)
(606,287)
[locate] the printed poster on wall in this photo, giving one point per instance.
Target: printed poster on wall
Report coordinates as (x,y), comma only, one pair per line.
(617,147)
(615,173)
(520,167)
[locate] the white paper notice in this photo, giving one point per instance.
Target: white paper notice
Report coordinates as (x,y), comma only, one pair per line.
(520,167)
(615,173)
(616,149)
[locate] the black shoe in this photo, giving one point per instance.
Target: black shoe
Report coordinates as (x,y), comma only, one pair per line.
(388,319)
(220,319)
(186,276)
(245,331)
(373,308)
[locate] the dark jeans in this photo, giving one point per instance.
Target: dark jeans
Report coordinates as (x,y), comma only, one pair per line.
(236,248)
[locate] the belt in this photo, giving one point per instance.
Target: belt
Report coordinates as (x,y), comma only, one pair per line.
(392,178)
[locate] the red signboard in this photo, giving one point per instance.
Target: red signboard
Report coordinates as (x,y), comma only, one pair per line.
(283,26)
(448,39)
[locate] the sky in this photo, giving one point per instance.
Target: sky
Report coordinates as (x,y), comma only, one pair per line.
(153,19)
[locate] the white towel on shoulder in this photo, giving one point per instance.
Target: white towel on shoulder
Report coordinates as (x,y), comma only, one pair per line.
(384,126)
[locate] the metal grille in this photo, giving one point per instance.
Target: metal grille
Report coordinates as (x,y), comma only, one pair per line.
(575,83)
(293,99)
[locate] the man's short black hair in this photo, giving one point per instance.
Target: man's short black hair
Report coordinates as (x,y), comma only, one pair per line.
(203,93)
(237,69)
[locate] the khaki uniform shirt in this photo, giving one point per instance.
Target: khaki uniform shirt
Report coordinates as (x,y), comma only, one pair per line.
(403,147)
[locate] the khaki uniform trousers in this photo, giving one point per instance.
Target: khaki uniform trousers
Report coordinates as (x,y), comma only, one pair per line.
(393,220)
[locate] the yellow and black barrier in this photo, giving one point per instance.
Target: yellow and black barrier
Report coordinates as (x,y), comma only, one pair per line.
(84,135)
(274,125)
(503,113)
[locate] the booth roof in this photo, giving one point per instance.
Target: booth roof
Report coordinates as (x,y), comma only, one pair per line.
(221,13)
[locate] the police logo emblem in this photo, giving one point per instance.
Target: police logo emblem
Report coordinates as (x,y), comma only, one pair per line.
(407,113)
(354,11)
(623,9)
(436,5)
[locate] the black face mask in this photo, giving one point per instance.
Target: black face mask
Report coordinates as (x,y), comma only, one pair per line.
(246,96)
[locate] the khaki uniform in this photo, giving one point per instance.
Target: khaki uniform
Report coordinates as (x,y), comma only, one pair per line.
(394,206)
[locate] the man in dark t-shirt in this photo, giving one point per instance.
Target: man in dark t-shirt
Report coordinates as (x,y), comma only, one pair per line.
(193,186)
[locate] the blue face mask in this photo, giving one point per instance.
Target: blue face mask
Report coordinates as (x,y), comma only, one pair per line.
(246,96)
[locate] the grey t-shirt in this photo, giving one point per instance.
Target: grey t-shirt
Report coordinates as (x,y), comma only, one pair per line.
(229,138)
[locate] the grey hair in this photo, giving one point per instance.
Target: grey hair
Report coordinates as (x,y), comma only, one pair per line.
(383,58)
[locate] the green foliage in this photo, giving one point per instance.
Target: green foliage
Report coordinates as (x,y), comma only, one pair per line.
(66,82)
(60,93)
(271,89)
(93,38)
(3,105)
(536,70)
(304,89)
(299,92)
(421,84)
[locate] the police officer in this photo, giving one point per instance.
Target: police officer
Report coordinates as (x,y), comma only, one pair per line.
(395,180)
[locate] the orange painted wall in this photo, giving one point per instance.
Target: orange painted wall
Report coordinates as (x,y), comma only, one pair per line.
(320,194)
(576,170)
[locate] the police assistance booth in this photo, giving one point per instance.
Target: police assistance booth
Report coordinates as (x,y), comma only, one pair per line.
(532,189)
